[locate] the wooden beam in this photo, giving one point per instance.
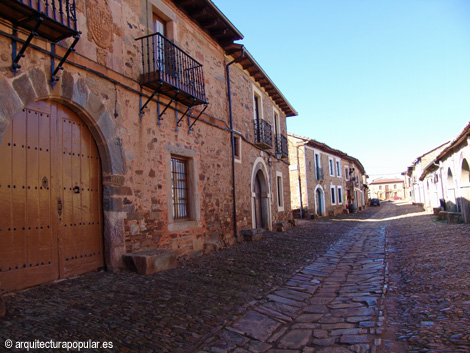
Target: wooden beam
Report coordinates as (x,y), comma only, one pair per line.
(197,12)
(185,2)
(210,23)
(219,32)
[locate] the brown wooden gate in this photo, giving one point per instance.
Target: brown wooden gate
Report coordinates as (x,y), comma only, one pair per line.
(50,198)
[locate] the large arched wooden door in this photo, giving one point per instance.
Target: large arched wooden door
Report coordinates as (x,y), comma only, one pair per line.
(50,198)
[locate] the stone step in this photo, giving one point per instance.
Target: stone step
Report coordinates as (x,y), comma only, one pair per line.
(152,261)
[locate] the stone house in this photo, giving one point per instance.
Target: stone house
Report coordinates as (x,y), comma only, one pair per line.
(387,189)
(416,190)
(446,178)
(131,127)
(324,181)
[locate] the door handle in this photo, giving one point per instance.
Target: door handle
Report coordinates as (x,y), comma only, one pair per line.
(59,207)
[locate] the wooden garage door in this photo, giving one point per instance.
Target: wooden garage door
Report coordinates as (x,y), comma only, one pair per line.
(50,198)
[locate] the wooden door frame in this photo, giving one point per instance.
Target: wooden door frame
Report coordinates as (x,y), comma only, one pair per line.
(90,107)
(266,195)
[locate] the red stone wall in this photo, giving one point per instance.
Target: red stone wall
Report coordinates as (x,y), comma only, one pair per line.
(101,85)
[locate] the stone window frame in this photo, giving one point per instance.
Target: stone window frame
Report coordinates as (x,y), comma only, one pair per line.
(180,181)
(194,196)
(277,123)
(280,191)
(238,148)
(339,189)
(166,14)
(259,94)
(317,165)
(331,166)
(338,168)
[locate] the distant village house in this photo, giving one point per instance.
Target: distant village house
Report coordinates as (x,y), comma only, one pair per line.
(324,181)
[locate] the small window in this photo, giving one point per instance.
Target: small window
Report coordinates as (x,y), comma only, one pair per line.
(159,25)
(277,125)
(333,194)
(346,173)
(338,169)
(180,192)
(257,107)
(318,169)
(332,167)
(280,193)
(340,195)
(237,148)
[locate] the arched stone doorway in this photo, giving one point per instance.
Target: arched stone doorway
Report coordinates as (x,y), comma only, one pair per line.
(465,190)
(259,219)
(261,201)
(73,92)
(50,197)
(451,196)
(465,173)
(319,202)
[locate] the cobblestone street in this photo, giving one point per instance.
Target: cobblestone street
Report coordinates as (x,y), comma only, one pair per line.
(388,279)
(428,303)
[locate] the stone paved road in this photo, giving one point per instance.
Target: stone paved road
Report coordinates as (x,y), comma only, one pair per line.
(428,303)
(334,304)
(171,311)
(320,287)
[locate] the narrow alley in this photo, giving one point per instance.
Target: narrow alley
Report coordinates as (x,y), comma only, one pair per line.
(388,279)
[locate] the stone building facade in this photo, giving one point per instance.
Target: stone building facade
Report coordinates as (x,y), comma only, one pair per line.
(415,190)
(387,189)
(445,179)
(170,142)
(324,181)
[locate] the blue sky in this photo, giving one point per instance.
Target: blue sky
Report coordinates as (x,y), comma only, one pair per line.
(382,80)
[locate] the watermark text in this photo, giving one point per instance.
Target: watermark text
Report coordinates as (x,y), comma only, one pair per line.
(69,346)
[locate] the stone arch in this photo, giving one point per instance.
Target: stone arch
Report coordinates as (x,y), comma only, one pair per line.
(450,178)
(319,196)
(73,92)
(465,172)
(262,201)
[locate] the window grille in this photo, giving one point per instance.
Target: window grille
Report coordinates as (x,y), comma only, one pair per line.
(179,179)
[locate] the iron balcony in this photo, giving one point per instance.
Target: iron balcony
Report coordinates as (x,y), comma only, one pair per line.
(169,70)
(281,146)
(263,134)
(52,19)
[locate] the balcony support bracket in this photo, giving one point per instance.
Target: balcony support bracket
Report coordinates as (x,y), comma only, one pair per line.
(159,116)
(196,119)
(60,66)
(16,57)
(166,107)
(142,107)
(178,123)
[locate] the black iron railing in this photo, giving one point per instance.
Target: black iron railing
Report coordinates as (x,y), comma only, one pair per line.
(281,146)
(168,68)
(61,11)
(263,133)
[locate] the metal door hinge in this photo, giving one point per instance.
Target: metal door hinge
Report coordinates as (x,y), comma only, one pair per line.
(59,207)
